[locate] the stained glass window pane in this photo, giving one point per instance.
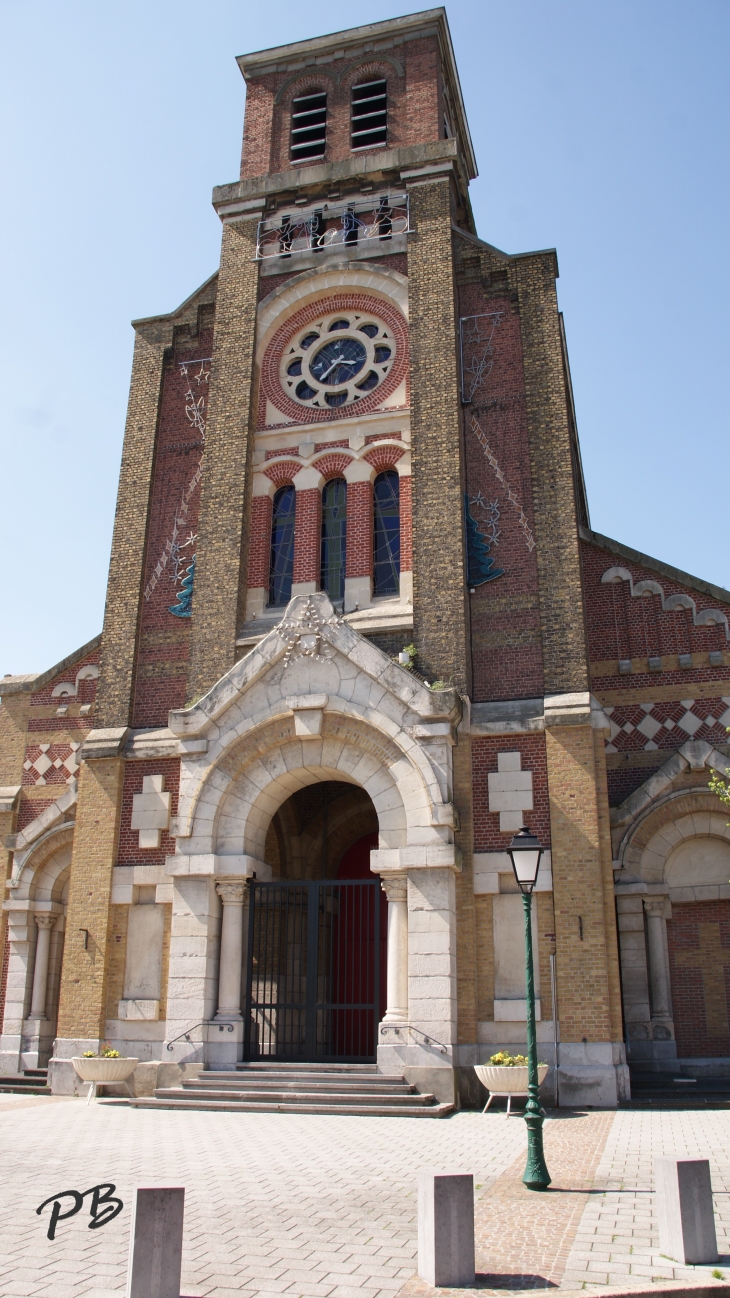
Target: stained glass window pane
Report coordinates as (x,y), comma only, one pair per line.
(386,541)
(281,567)
(334,537)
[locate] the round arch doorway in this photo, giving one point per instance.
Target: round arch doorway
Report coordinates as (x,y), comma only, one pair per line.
(317,933)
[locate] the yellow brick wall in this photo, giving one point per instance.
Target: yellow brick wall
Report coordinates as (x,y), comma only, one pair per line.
(225,490)
(609,900)
(439,573)
(126,565)
(85,975)
(466,927)
(578,883)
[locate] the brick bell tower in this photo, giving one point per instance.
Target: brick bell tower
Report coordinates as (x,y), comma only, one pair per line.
(362,354)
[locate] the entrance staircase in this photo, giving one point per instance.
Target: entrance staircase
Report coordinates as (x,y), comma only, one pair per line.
(32,1081)
(350,1089)
(675,1090)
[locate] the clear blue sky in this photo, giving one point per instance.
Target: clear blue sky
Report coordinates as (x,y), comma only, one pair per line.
(600,126)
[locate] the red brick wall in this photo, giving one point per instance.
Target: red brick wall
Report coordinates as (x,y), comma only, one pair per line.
(505,619)
(406,525)
(259,551)
(129,851)
(700,998)
(307,525)
(86,688)
(162,663)
(624,626)
(414,106)
(487,835)
(359,553)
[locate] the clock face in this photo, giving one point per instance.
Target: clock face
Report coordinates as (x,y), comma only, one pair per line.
(337,360)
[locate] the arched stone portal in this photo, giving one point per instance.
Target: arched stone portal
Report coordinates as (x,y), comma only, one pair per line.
(38,895)
(672,842)
(315,703)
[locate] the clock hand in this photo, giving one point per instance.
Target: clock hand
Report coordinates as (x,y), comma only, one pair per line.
(339,360)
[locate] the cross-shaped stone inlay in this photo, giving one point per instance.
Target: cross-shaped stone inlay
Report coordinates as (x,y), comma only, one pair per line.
(712,959)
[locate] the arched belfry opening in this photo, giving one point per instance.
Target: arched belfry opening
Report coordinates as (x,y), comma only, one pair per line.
(317,932)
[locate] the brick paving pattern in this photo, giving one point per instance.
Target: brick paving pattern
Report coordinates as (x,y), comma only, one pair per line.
(311,1207)
(325,1207)
(617,1241)
(516,1228)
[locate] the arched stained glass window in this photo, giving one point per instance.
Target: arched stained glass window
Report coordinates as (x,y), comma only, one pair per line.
(386,540)
(334,538)
(281,568)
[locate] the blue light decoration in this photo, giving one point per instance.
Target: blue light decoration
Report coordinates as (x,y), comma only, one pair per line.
(479,566)
(184,606)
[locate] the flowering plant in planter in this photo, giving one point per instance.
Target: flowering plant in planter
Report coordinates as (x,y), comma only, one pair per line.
(506,1074)
(105,1069)
(503,1059)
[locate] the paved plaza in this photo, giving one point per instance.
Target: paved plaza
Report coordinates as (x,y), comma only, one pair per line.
(325,1207)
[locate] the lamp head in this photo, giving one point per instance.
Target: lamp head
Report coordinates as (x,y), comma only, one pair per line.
(525,854)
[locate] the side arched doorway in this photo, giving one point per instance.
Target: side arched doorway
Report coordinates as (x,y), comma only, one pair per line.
(317,932)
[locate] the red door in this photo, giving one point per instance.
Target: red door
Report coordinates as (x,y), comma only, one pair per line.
(354,966)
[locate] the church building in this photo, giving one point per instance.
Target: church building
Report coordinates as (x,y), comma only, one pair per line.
(358,631)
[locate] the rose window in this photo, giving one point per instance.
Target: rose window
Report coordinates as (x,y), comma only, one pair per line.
(337,360)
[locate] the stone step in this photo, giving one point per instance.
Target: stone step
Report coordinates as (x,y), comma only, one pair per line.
(247,1106)
(316,1082)
(276,1095)
(254,1065)
(31,1082)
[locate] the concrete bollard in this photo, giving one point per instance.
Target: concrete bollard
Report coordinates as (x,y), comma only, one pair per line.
(446,1228)
(155,1244)
(684,1206)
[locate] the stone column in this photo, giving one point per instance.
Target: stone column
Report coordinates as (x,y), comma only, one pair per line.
(658,972)
(396,890)
(40,972)
(229,978)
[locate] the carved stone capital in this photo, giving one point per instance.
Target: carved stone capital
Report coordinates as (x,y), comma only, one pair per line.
(231,894)
(46,921)
(395,886)
(655,907)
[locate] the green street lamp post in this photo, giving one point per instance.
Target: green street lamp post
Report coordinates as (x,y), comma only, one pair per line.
(525,853)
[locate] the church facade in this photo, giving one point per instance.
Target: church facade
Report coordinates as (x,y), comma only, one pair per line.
(358,630)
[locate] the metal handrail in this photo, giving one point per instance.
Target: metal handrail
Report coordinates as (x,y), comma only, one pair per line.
(206,1023)
(430,1041)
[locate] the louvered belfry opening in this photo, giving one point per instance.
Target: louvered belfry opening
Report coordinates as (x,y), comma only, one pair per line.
(309,126)
(369,118)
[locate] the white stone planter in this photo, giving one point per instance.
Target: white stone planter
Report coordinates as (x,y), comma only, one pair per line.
(103,1072)
(501,1079)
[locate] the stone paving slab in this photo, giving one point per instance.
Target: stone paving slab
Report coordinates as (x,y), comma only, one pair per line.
(325,1206)
(595,1229)
(276,1204)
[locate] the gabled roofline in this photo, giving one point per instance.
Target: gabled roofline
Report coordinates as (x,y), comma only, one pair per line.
(656,565)
(371,37)
(508,256)
(32,681)
(172,315)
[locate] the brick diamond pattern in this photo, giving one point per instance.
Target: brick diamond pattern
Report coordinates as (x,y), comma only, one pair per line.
(650,726)
(50,764)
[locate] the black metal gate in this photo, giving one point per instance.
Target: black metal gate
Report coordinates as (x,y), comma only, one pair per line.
(314,971)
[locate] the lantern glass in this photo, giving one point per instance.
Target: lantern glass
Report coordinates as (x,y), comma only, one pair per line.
(525,853)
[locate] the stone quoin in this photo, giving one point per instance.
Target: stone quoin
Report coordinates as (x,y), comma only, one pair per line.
(358,630)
